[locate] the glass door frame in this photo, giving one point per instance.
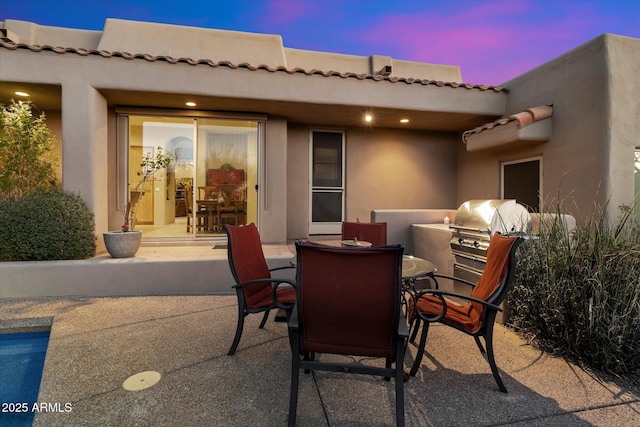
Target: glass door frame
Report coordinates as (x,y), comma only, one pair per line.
(122,157)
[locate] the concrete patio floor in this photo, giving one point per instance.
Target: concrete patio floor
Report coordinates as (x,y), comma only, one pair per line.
(97,343)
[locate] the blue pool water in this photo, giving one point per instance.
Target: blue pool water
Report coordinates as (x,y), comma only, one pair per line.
(22,357)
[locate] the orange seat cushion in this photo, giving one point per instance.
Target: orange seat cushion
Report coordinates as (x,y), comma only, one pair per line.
(469,316)
(462,316)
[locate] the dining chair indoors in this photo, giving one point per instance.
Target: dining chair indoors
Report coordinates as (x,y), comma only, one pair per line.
(348,303)
(196,219)
(373,232)
(477,316)
(255,288)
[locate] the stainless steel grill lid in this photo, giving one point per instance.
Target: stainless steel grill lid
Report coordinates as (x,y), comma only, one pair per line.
(492,215)
(476,222)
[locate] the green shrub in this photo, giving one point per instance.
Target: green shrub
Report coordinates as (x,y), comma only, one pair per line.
(47,225)
(27,151)
(578,292)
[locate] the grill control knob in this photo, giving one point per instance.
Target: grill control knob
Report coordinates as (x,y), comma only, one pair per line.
(476,244)
(460,241)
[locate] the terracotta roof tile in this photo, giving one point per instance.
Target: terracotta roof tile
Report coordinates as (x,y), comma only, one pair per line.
(524,118)
(223,63)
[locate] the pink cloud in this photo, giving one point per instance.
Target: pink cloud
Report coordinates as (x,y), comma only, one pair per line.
(491,42)
(287,11)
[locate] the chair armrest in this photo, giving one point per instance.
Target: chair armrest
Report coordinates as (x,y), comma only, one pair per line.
(441,294)
(267,280)
(283,268)
(274,294)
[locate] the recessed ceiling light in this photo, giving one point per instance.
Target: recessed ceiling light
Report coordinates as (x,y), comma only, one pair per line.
(191,104)
(404,120)
(368,118)
(19,93)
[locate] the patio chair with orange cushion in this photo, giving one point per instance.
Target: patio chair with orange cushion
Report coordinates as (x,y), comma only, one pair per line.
(477,316)
(373,232)
(255,288)
(348,303)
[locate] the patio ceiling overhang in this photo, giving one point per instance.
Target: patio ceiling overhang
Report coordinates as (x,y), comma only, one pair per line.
(347,116)
(48,97)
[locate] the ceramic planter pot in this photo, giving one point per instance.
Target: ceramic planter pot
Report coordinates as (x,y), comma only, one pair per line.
(122,244)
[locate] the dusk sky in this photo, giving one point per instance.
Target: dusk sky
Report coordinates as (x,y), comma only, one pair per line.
(491,40)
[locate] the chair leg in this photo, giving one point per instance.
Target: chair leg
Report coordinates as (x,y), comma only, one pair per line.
(414,329)
(480,346)
(236,339)
(421,346)
(264,319)
(293,397)
(488,338)
(400,384)
(387,364)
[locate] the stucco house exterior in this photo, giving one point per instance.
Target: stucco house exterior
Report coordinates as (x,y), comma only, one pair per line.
(293,123)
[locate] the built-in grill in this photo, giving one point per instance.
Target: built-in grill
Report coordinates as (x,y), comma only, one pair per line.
(476,222)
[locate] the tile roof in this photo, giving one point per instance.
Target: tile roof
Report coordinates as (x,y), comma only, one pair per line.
(297,70)
(524,118)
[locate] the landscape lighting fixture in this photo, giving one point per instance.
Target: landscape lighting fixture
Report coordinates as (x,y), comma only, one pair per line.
(20,93)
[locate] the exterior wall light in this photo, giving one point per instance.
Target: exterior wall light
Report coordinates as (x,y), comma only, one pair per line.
(19,93)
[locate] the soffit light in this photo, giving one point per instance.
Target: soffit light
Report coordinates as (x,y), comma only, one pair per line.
(368,118)
(20,93)
(404,120)
(191,104)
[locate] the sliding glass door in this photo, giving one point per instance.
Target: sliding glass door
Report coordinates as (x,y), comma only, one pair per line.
(212,181)
(226,173)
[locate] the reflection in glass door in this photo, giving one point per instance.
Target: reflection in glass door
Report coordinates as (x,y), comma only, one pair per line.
(212,181)
(226,173)
(327,182)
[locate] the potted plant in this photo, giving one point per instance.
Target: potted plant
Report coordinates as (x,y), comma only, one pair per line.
(125,243)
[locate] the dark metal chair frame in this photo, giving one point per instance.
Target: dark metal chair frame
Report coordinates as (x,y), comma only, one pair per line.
(243,309)
(305,360)
(491,307)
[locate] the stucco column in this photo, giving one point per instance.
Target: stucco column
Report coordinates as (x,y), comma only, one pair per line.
(273,213)
(84,149)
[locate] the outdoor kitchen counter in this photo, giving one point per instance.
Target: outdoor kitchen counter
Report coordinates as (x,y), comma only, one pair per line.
(432,242)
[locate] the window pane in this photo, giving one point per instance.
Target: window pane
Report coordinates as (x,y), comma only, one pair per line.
(327,207)
(327,159)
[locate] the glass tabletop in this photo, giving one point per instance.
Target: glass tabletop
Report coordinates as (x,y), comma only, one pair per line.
(414,267)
